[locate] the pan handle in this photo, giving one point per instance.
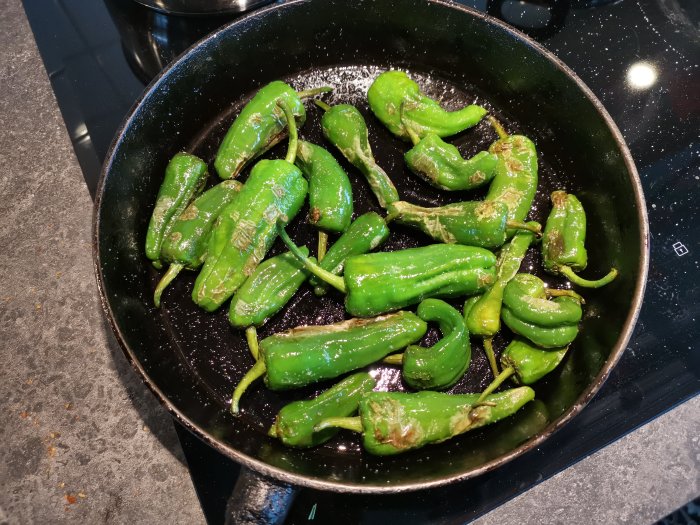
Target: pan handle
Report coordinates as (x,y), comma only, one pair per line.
(257,500)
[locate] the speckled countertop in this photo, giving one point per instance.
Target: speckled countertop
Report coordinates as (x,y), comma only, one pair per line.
(85,442)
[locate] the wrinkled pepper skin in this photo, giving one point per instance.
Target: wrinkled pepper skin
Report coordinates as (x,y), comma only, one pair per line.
(441,165)
(386,281)
(294,424)
(185,176)
(394,422)
(260,125)
(275,191)
(542,336)
(472,223)
(443,364)
(345,127)
(364,234)
(309,354)
(330,192)
(529,363)
(185,245)
(397,102)
(273,283)
(525,296)
(484,318)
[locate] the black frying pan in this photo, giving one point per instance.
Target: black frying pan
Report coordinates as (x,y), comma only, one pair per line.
(191,360)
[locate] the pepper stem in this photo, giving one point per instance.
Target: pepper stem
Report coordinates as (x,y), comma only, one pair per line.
(491,355)
(306,93)
(517,225)
(553,292)
(322,245)
(254,373)
(251,336)
(165,281)
(498,128)
(335,281)
(293,136)
(585,283)
(507,372)
(415,138)
(272,431)
(322,105)
(348,423)
(393,359)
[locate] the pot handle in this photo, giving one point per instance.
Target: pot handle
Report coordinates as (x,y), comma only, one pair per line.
(257,500)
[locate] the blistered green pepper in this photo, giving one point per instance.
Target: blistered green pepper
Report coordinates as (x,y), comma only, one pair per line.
(185,245)
(474,223)
(394,422)
(563,243)
(294,424)
(386,281)
(260,125)
(275,191)
(363,235)
(441,165)
(309,354)
(398,103)
(345,127)
(185,176)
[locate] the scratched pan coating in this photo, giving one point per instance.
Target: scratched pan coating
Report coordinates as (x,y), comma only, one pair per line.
(192,359)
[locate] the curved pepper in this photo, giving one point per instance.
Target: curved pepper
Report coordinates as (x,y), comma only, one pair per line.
(563,243)
(185,176)
(309,354)
(529,363)
(345,127)
(441,165)
(474,223)
(394,422)
(294,424)
(398,103)
(443,364)
(525,295)
(185,245)
(259,126)
(544,337)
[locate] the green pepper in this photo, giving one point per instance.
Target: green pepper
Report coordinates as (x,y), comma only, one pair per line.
(398,103)
(259,126)
(185,245)
(529,363)
(394,422)
(294,424)
(345,127)
(563,248)
(474,223)
(386,281)
(515,183)
(363,235)
(309,354)
(275,191)
(185,176)
(443,364)
(441,165)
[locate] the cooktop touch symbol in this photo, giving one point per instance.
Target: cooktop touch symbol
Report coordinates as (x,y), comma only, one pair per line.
(680,249)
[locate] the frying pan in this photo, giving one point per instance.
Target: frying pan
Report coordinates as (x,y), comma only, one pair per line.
(191,359)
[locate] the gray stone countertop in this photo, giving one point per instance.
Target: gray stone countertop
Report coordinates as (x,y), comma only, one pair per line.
(85,442)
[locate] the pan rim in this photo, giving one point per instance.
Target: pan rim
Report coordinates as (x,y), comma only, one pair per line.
(285,476)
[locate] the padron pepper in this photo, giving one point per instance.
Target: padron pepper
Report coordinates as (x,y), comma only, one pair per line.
(385,281)
(528,312)
(473,223)
(310,354)
(260,125)
(185,176)
(394,422)
(294,424)
(185,245)
(398,103)
(363,235)
(563,243)
(345,127)
(275,191)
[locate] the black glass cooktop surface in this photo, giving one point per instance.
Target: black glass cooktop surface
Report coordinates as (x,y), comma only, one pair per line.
(638,56)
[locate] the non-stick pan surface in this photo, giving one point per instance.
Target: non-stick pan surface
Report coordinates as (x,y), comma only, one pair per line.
(192,360)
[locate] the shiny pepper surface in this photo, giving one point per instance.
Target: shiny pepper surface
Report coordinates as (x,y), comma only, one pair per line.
(185,176)
(275,191)
(529,363)
(398,103)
